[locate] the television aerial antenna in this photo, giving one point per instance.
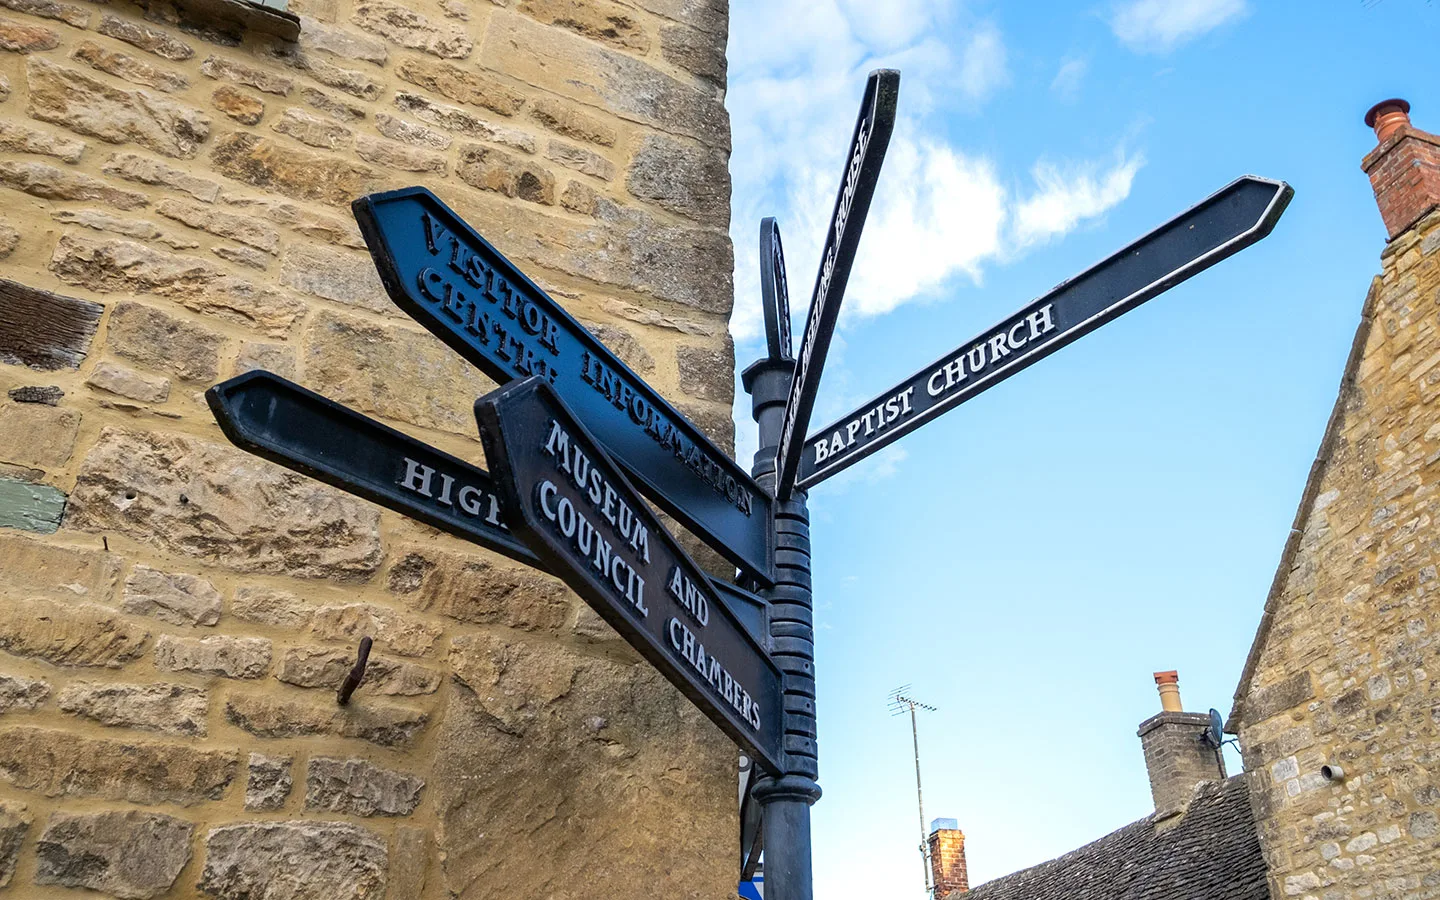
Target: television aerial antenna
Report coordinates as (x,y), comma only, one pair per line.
(902,699)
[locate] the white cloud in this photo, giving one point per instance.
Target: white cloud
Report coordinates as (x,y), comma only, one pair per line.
(1158,26)
(1068,78)
(982,67)
(1068,195)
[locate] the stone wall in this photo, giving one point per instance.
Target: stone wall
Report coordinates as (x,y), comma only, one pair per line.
(175,615)
(1344,668)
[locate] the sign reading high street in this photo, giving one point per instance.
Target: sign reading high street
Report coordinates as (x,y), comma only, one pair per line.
(1237,216)
(574,508)
(451,280)
(862,169)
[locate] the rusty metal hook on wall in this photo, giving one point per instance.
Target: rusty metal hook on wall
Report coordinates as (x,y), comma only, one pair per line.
(357,674)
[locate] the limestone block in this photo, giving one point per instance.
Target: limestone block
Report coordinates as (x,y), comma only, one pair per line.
(157,339)
(682,176)
(123,382)
(49,183)
(707,372)
(14,823)
(131,69)
(128,854)
(624,345)
(341,276)
(229,657)
(73,99)
(490,169)
(18,138)
(221,224)
(177,598)
(151,40)
(700,52)
(453,118)
(280,716)
(144,170)
(409,859)
(276,358)
(35,568)
(342,42)
(62,763)
(166,708)
(355,787)
(581,160)
(297,173)
(355,83)
(392,372)
(268,782)
(269,606)
(259,79)
(334,107)
(411,133)
(391,155)
(317,225)
(18,37)
(9,237)
(395,631)
(68,13)
(69,634)
(19,692)
(598,20)
(571,122)
(473,589)
(706,15)
(400,25)
(294,861)
(37,435)
(314,131)
(177,493)
(326,668)
(462,85)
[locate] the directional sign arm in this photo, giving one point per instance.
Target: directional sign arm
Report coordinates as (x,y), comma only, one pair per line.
(1227,222)
(775,291)
(852,203)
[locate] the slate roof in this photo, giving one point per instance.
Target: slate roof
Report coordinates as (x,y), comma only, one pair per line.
(1211,853)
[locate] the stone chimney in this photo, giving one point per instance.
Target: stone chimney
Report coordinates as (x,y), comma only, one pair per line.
(1404,169)
(1175,756)
(947,858)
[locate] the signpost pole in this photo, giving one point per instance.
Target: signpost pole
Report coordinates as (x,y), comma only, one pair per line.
(786,797)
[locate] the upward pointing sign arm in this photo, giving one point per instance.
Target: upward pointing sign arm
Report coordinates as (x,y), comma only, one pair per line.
(1238,215)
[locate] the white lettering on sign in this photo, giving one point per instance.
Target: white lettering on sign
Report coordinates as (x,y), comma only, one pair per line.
(597,551)
(886,413)
(444,490)
(684,641)
(689,596)
(571,460)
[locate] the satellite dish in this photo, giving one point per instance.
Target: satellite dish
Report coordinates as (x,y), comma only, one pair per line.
(1215,732)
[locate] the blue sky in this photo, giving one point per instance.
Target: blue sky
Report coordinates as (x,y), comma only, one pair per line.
(1028,559)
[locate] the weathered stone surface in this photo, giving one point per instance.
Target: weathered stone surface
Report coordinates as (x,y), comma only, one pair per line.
(37,435)
(139,228)
(317,225)
(355,83)
(335,275)
(294,861)
(68,13)
(69,634)
(707,372)
(4,89)
(35,568)
(245,256)
(222,224)
(683,177)
(177,598)
(123,65)
(269,716)
(63,763)
(73,99)
(391,155)
(151,40)
(166,708)
(462,85)
(178,493)
(143,170)
(326,667)
(260,79)
(19,37)
(29,506)
(706,15)
(522,706)
(43,180)
(157,339)
(18,138)
(700,52)
(346,44)
(19,692)
(268,782)
(580,198)
(410,132)
(573,67)
(569,121)
(495,170)
(228,657)
(396,631)
(598,20)
(296,173)
(409,856)
(402,26)
(14,823)
(276,358)
(125,382)
(269,606)
(392,372)
(314,131)
(9,240)
(334,107)
(715,421)
(624,345)
(453,118)
(48,394)
(355,787)
(247,109)
(128,854)
(582,160)
(118,265)
(474,589)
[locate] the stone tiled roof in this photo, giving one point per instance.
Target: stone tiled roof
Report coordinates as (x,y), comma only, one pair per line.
(1211,853)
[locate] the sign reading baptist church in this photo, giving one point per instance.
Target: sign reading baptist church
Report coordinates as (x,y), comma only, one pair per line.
(451,280)
(1223,224)
(567,500)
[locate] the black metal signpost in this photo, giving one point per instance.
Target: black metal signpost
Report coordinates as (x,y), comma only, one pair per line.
(573,434)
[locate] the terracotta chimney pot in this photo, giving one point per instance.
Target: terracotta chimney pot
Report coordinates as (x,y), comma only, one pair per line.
(1388,117)
(1168,683)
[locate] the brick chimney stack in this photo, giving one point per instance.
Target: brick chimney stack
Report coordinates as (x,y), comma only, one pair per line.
(947,858)
(1404,169)
(1175,757)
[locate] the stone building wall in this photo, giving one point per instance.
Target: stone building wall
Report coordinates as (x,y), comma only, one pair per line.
(1344,667)
(175,615)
